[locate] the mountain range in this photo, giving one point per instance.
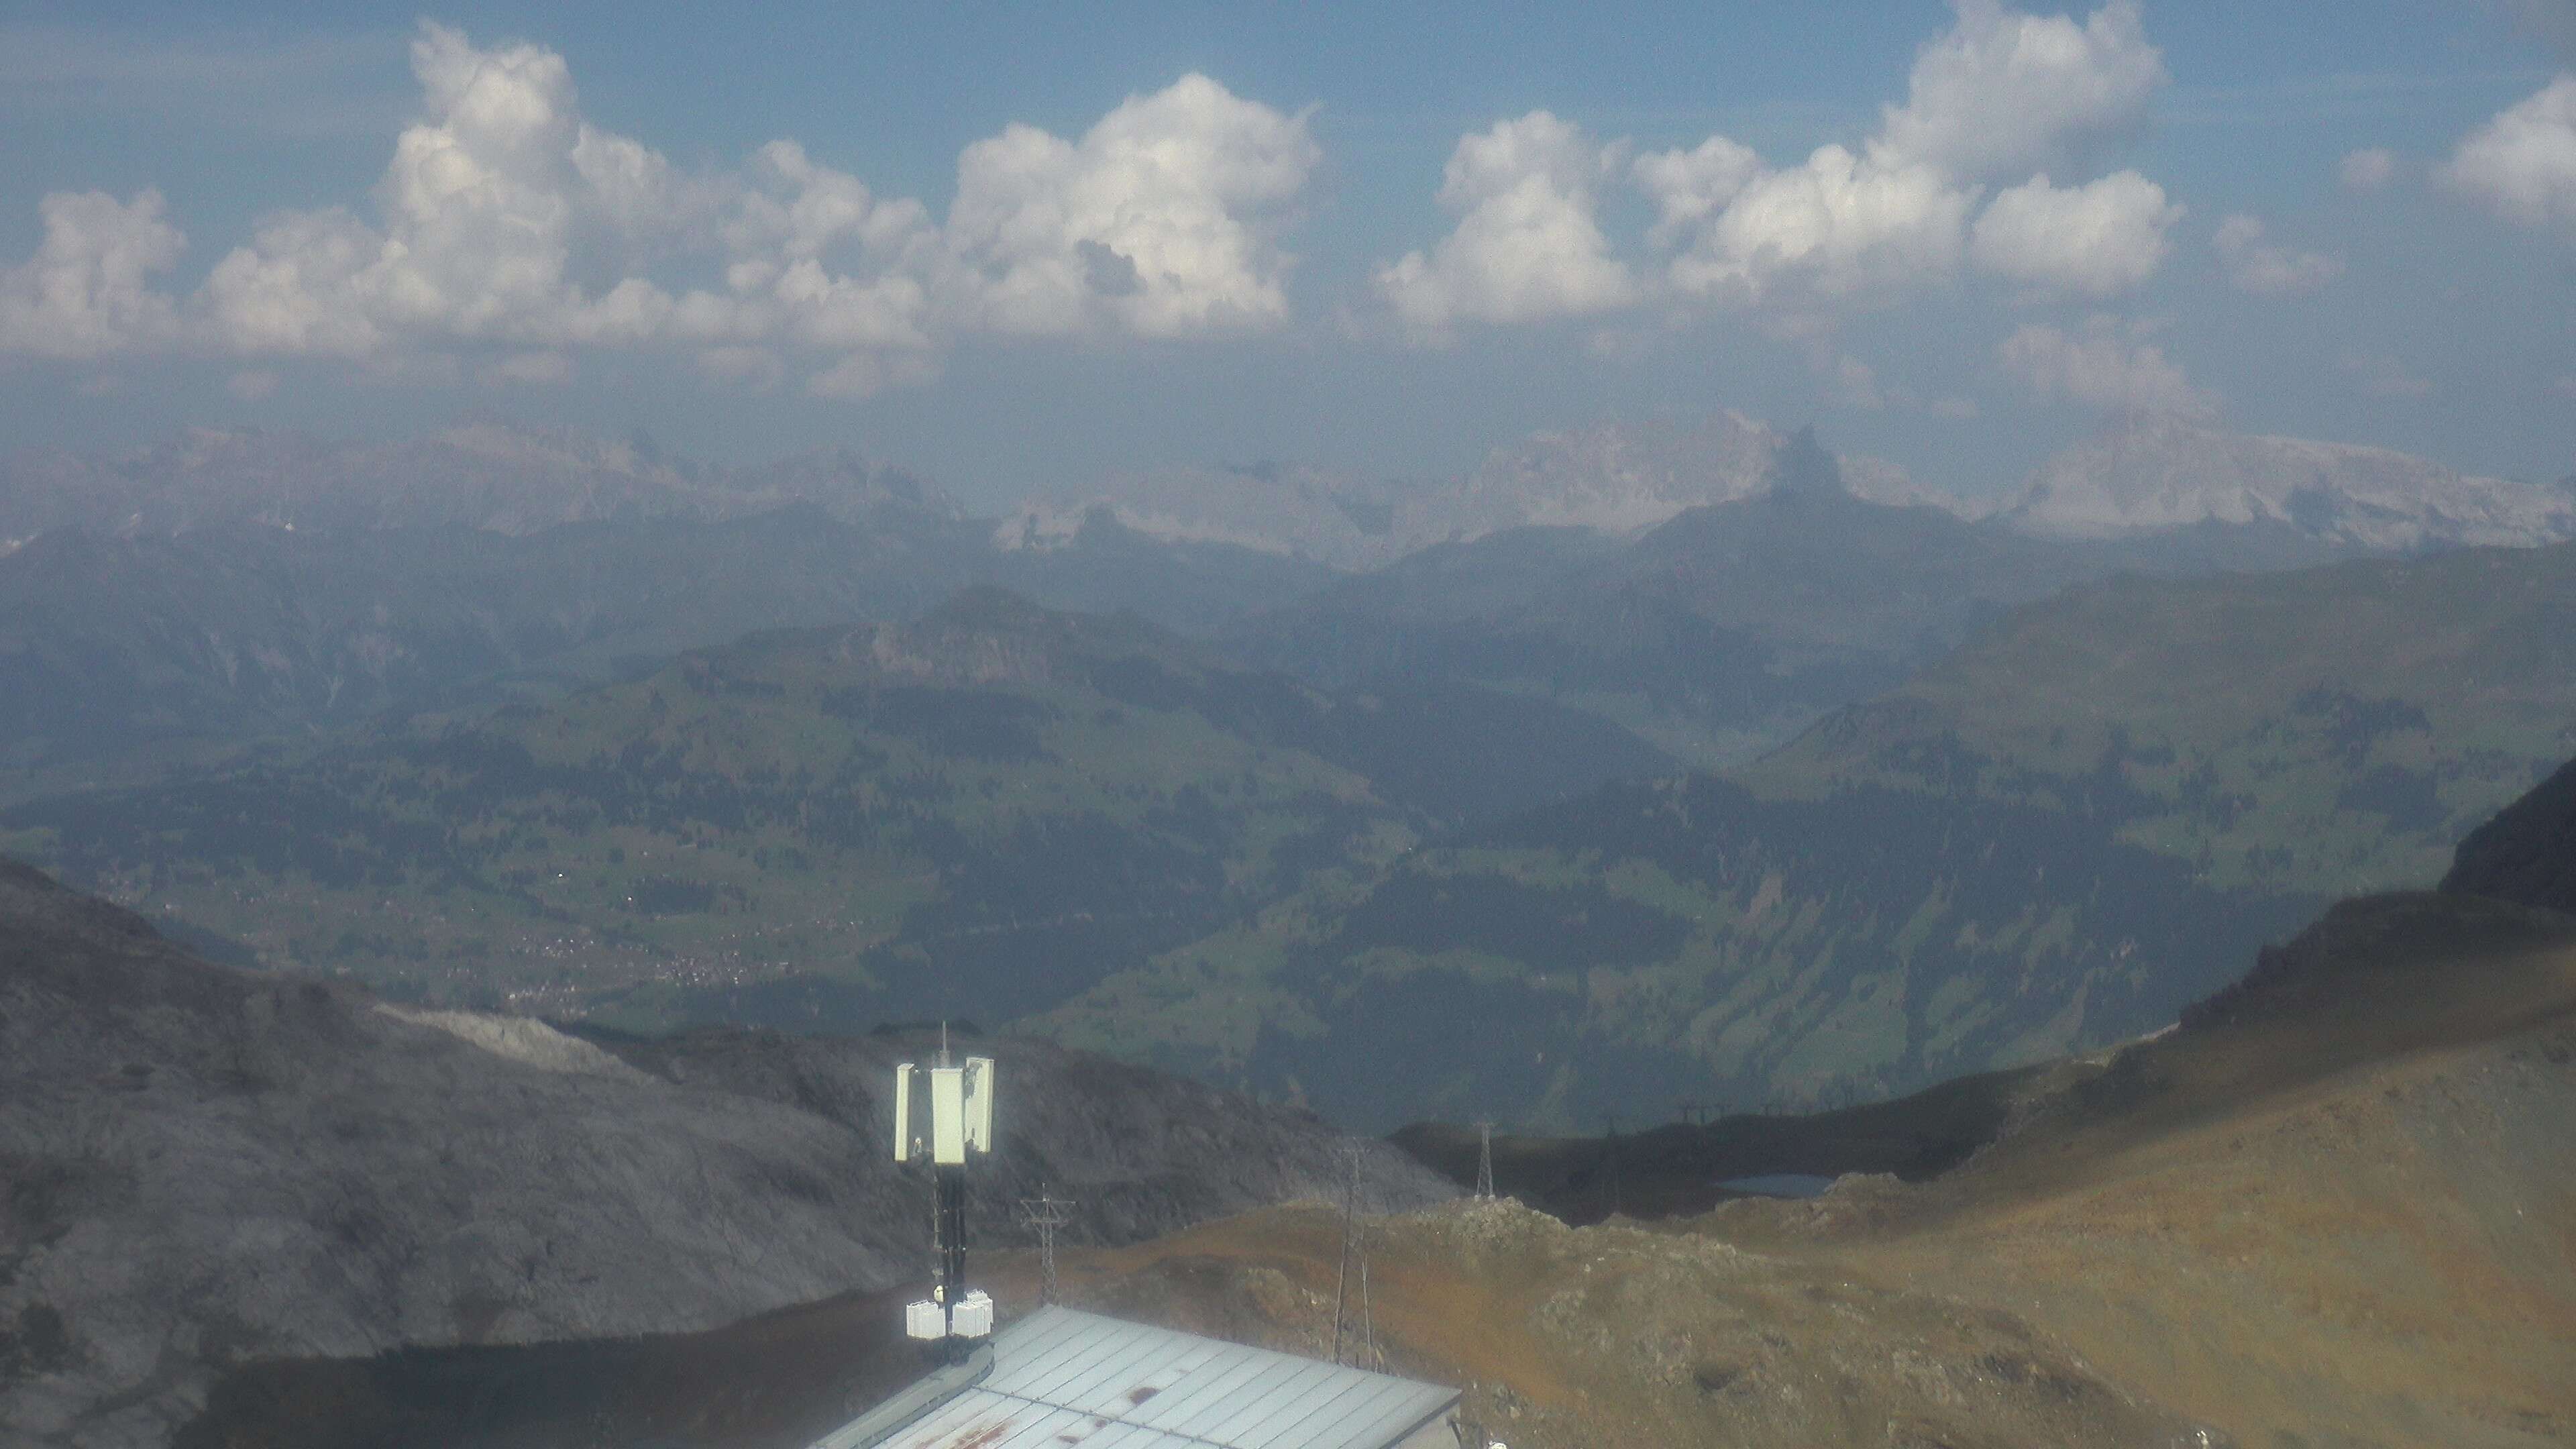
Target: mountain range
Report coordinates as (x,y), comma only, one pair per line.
(121,655)
(1725,628)
(1712,585)
(444,744)
(2143,475)
(2051,840)
(978,813)
(2159,473)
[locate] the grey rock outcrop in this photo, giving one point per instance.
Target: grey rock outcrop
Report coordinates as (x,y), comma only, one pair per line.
(200,1166)
(2158,474)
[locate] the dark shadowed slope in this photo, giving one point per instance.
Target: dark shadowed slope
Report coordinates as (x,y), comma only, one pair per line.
(208,1166)
(2528,852)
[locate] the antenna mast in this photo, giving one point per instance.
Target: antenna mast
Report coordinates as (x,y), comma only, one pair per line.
(959,1115)
(1484,1162)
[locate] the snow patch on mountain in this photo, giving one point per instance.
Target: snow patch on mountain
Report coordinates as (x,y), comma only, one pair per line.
(2160,474)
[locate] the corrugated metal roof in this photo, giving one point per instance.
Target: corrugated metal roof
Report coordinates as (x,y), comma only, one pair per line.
(1065,1378)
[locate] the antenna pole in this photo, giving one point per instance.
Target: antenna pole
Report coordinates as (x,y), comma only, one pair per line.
(960,1112)
(1485,1162)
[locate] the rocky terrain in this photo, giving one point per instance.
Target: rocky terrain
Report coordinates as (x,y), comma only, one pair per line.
(206,1166)
(2335,1206)
(1612,478)
(2139,478)
(2162,473)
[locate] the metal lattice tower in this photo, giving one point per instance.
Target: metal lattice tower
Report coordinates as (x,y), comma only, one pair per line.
(1045,1213)
(1485,1162)
(1352,1247)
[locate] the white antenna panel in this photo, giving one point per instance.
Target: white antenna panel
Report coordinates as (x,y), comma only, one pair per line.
(903,1112)
(948,1115)
(979,1103)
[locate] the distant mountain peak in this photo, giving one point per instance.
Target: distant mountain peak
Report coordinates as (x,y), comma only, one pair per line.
(1802,466)
(1619,478)
(2157,473)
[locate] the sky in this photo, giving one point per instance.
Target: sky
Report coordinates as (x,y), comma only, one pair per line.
(1026,249)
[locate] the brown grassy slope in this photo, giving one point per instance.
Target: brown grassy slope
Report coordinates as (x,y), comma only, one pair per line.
(2338,1208)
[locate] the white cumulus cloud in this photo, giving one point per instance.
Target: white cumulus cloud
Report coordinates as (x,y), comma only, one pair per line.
(1840,225)
(507,225)
(1163,219)
(2106,365)
(1996,96)
(2522,164)
(1690,186)
(1528,244)
(87,292)
(2099,239)
(2004,93)
(481,209)
(2265,268)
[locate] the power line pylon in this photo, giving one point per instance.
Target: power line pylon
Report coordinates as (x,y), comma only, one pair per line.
(1046,1213)
(1351,1248)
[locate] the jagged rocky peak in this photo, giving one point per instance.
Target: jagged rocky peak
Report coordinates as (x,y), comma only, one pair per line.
(1619,478)
(2152,474)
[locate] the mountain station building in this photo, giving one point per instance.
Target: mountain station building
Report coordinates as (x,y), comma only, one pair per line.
(1060,1378)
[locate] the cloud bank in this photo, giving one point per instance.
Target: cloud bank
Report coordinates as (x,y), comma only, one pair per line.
(509,226)
(1957,176)
(2522,164)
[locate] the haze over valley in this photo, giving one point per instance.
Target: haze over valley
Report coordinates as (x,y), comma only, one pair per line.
(1709,725)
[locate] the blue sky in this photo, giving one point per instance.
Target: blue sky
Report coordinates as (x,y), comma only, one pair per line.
(1025,248)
